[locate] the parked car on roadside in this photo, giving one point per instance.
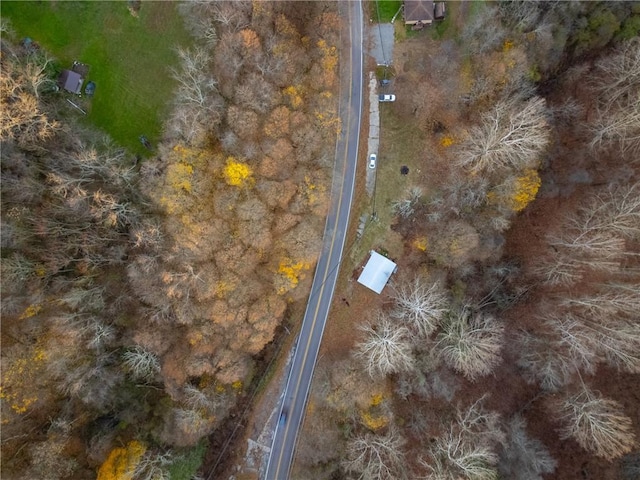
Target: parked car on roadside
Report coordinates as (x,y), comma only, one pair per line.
(387,98)
(372,160)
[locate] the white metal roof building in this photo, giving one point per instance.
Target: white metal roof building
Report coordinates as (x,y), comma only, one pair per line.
(376,272)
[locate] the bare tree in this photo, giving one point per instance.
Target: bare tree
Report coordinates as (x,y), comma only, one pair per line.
(48,459)
(616,210)
(593,238)
(467,450)
(375,457)
(194,83)
(421,304)
(21,117)
(575,252)
(598,424)
(233,16)
(617,76)
(457,459)
(620,126)
(617,83)
(484,32)
(524,457)
(406,207)
(142,364)
(386,348)
(590,339)
(521,14)
(541,361)
(611,299)
(470,343)
(34,72)
(198,104)
(185,426)
(154,466)
(17,269)
(512,135)
(578,343)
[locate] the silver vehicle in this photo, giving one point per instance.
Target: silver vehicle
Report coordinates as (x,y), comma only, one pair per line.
(387,98)
(372,160)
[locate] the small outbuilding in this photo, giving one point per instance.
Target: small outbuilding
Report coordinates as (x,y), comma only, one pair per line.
(439,10)
(70,81)
(376,272)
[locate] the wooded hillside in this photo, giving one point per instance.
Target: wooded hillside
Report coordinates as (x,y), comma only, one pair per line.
(137,295)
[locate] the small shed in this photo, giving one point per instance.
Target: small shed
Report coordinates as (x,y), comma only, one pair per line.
(376,272)
(71,81)
(418,12)
(439,11)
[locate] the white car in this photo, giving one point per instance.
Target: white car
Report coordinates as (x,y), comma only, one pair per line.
(372,160)
(387,98)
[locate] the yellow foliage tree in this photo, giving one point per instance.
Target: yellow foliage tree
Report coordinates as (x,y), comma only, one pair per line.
(291,272)
(183,163)
(19,377)
(516,193)
(372,417)
(122,462)
(31,311)
(374,422)
(421,243)
(526,188)
(447,141)
(179,176)
(237,173)
(294,94)
(329,63)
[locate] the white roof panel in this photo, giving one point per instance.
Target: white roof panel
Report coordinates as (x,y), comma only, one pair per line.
(377,272)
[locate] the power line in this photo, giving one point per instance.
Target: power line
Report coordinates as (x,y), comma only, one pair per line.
(384,57)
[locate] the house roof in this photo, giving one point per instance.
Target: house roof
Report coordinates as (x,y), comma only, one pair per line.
(70,81)
(376,272)
(418,11)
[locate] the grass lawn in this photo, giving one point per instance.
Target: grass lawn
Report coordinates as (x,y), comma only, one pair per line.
(386,9)
(398,147)
(129,57)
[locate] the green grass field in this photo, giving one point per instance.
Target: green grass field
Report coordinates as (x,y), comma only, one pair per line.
(129,57)
(386,9)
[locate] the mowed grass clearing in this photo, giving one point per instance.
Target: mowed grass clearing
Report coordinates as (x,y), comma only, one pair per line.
(386,9)
(401,143)
(130,58)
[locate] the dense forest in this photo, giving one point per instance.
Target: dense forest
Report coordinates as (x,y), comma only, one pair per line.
(138,293)
(507,345)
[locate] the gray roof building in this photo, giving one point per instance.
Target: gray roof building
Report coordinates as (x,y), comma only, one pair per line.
(418,12)
(71,81)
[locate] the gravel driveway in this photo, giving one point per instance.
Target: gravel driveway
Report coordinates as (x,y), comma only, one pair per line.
(381,41)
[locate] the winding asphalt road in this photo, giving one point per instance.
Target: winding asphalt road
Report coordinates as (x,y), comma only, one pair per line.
(324,280)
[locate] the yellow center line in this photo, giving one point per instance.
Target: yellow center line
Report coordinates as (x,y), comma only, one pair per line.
(328,265)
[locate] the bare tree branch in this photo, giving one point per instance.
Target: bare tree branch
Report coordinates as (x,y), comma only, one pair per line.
(386,348)
(420,304)
(471,343)
(598,424)
(513,134)
(375,457)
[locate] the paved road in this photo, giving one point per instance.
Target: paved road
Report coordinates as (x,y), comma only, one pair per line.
(324,281)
